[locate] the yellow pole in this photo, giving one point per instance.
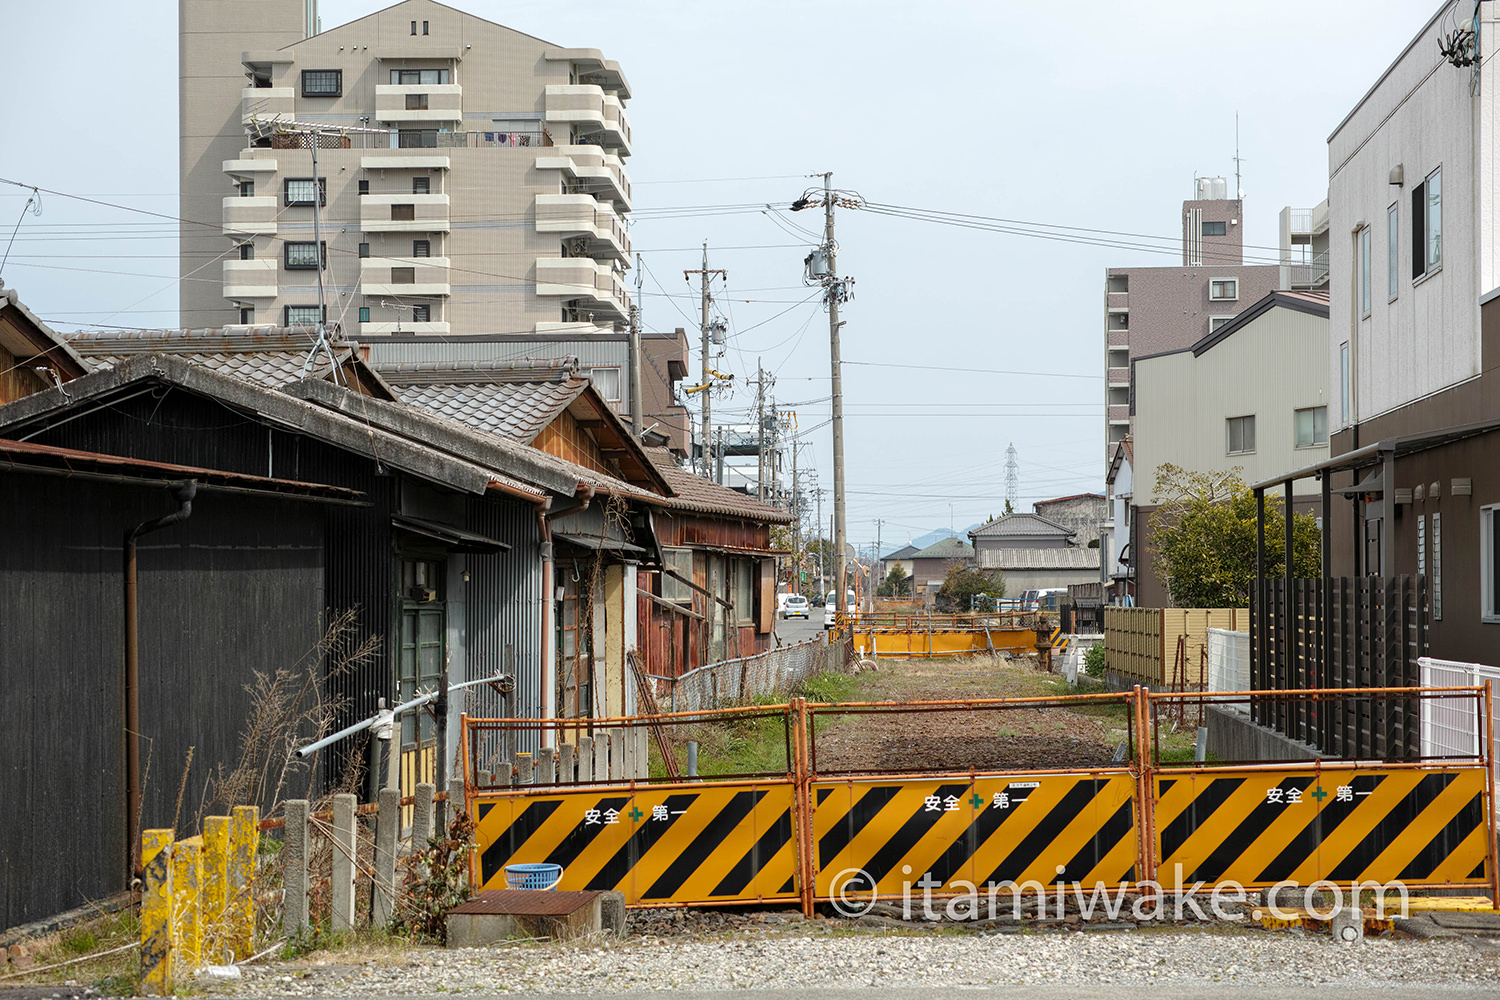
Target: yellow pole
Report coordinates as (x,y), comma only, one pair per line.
(187,909)
(244,839)
(215,889)
(156,913)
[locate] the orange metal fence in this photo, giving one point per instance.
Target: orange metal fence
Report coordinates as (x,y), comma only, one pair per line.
(815,830)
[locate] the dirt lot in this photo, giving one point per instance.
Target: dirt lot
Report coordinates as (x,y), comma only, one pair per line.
(988,740)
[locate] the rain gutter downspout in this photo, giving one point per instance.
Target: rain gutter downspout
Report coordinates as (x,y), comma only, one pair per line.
(183,493)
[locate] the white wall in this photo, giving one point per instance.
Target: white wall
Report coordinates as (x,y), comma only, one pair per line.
(1422,115)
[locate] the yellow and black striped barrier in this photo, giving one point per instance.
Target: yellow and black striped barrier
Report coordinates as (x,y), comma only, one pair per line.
(1256,827)
(937,832)
(661,844)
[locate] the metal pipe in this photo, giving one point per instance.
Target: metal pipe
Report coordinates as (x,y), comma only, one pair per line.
(416,702)
(183,493)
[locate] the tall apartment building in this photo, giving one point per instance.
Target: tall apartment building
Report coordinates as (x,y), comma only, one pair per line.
(471,185)
(1153,309)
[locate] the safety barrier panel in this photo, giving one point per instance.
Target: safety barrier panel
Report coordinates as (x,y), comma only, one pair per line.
(817,834)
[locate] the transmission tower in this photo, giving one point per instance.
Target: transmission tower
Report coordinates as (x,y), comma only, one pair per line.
(1012,478)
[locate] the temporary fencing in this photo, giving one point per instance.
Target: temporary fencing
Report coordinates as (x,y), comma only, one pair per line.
(788,826)
(775,672)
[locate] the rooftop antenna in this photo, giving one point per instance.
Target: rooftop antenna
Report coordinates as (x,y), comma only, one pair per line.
(1239,192)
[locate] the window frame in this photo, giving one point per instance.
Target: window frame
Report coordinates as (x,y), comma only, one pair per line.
(286,315)
(745,574)
(1234,282)
(286,192)
(611,372)
(1297,441)
(408,212)
(416,102)
(1346,397)
(1393,252)
(1423,264)
(1488,539)
(337,75)
(247,250)
(672,589)
(290,245)
(1363,278)
(403,275)
(247,320)
(364,314)
(421,248)
(247,187)
(421,185)
(1223,229)
(421,312)
(1222,319)
(1229,426)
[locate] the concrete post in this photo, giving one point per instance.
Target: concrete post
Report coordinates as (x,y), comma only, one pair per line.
(294,871)
(156,913)
(216,890)
(601,757)
(617,755)
(692,761)
(525,774)
(565,764)
(187,896)
(344,844)
(455,803)
(546,767)
(387,824)
(421,815)
(244,844)
(585,759)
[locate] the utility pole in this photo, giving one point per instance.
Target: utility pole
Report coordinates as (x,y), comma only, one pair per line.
(637,417)
(822,589)
(879,524)
(704,329)
(795,508)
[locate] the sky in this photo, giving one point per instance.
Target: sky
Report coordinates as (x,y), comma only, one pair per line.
(959,342)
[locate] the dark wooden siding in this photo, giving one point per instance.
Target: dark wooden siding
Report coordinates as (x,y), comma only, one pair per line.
(208,589)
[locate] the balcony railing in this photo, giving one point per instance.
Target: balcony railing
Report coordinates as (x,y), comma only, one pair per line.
(1309,273)
(413,138)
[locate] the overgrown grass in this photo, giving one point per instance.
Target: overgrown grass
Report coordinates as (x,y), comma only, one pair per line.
(112,975)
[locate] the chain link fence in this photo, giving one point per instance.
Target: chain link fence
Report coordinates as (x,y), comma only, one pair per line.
(750,678)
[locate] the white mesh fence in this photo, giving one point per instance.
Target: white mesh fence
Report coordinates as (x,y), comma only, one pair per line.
(1450,726)
(1229,664)
(749,678)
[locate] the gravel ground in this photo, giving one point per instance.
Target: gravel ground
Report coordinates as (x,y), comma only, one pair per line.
(792,953)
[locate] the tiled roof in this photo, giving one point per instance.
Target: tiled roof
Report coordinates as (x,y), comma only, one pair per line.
(1073,496)
(905,552)
(1022,525)
(270,356)
(517,410)
(947,548)
(695,493)
(1017,558)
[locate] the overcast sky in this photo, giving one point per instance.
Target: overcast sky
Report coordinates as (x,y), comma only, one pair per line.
(1094,115)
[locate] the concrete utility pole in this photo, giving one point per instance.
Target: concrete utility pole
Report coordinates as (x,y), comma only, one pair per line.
(834,294)
(706,328)
(637,417)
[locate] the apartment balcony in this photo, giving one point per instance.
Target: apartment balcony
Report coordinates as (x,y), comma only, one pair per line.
(599,118)
(396,161)
(1309,272)
(413,102)
(582,215)
(250,169)
(590,170)
(250,216)
(1117,376)
(430,276)
(388,327)
(1116,301)
(1119,413)
(250,279)
(1118,338)
(403,213)
(265,103)
(595,286)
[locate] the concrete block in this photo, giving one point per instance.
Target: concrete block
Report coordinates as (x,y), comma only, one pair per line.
(498,915)
(1347,925)
(612,912)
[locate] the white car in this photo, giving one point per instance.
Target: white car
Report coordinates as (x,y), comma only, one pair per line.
(795,606)
(831,608)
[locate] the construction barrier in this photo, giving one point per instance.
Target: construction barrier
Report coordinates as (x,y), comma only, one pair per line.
(814,834)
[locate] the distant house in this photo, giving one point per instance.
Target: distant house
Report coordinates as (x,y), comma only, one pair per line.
(929,566)
(1085,513)
(32,357)
(1033,552)
(1116,558)
(901,557)
(1021,531)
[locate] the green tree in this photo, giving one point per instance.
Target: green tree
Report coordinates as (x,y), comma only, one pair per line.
(964,582)
(1203,538)
(897,583)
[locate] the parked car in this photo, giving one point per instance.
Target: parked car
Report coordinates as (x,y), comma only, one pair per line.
(831,607)
(1049,599)
(796,607)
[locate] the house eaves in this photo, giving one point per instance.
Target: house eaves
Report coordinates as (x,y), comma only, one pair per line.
(1312,303)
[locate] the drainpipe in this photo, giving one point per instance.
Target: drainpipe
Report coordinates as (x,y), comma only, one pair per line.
(549,628)
(183,493)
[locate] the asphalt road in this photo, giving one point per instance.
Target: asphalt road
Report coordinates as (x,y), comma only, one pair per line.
(800,630)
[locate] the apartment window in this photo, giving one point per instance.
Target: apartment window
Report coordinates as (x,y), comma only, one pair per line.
(1489,559)
(364,314)
(403,213)
(322,83)
(421,248)
(421,313)
(1364,273)
(1224,289)
(247,189)
(606,382)
(364,187)
(403,276)
(1346,402)
(305,256)
(1214,322)
(424,27)
(364,249)
(1312,426)
(1215,229)
(301,316)
(414,27)
(1427,225)
(247,314)
(679,561)
(247,251)
(421,185)
(419,77)
(1241,434)
(417,138)
(416,102)
(1392,252)
(301,191)
(1435,579)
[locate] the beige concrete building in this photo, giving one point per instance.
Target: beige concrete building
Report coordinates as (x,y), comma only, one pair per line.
(470,189)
